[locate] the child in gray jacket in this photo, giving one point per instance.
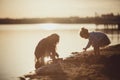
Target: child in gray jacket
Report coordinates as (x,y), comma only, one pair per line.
(96,39)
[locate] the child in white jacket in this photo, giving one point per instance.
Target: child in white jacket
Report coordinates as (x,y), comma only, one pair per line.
(96,39)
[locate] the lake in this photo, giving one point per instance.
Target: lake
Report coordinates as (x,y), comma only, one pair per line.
(18,42)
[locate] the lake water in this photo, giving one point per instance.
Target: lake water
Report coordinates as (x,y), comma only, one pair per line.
(18,42)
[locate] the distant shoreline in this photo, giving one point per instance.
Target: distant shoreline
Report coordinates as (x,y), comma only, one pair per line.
(104,19)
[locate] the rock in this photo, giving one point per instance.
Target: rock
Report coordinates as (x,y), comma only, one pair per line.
(50,69)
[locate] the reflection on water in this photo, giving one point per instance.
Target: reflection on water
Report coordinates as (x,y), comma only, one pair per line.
(18,42)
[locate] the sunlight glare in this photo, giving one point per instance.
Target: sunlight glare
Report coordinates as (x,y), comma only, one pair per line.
(49,26)
(47,59)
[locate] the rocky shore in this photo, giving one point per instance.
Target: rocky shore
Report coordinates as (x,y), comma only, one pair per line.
(82,66)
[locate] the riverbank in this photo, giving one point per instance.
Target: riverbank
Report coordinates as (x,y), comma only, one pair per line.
(83,66)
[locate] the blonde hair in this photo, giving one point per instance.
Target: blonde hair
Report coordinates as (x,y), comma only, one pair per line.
(83,32)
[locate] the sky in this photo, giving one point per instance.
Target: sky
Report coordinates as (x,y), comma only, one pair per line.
(57,8)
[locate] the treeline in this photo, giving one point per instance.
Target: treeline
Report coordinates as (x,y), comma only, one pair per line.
(103,19)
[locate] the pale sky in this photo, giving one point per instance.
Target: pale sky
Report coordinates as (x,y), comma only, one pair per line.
(56,8)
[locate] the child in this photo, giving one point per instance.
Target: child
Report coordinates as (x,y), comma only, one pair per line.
(46,48)
(96,39)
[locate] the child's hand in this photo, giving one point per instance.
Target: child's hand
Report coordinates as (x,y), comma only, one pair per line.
(84,49)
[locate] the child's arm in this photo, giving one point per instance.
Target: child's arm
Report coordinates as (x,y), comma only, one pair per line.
(88,45)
